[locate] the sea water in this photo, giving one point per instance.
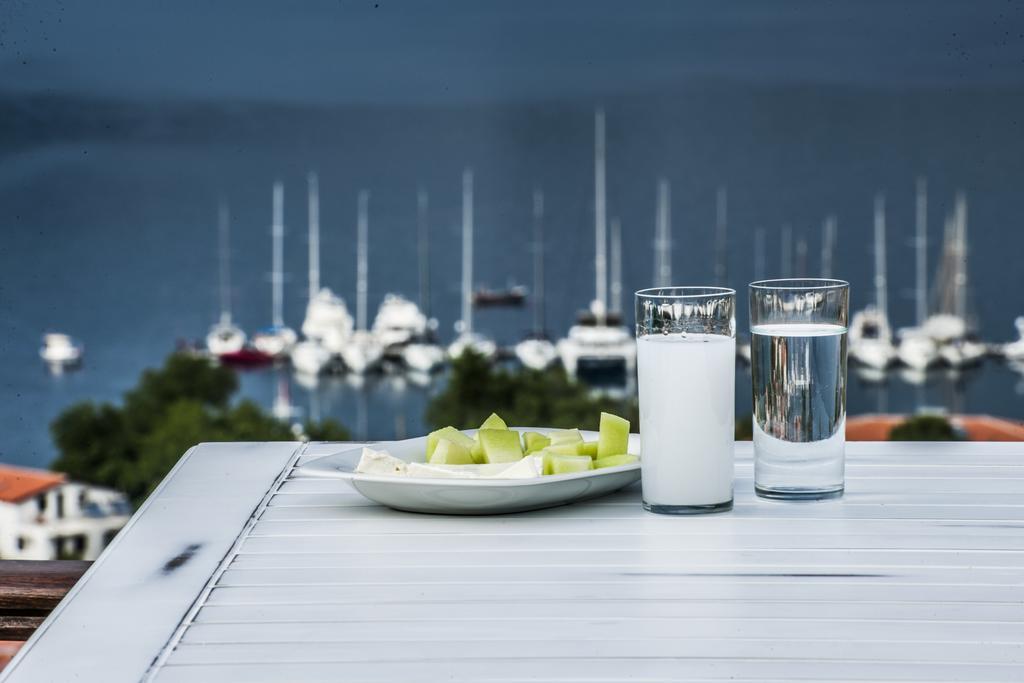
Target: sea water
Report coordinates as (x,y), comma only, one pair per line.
(799,383)
(687,418)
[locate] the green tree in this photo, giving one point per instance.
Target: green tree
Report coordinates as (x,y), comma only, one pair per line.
(185,402)
(925,428)
(527,398)
(326,430)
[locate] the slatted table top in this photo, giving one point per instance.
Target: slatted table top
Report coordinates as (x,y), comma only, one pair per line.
(237,570)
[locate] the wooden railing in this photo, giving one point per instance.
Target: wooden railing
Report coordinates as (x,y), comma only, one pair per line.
(29,590)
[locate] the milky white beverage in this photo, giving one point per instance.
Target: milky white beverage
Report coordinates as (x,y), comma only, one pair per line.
(687,416)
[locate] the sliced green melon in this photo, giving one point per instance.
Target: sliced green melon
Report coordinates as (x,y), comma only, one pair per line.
(450,433)
(587,448)
(613,439)
(566,464)
(494,422)
(615,461)
(564,449)
(500,445)
(535,442)
(560,436)
(449,452)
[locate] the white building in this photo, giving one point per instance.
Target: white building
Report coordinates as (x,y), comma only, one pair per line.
(45,517)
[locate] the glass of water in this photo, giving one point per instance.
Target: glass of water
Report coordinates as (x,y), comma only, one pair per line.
(686,361)
(798,367)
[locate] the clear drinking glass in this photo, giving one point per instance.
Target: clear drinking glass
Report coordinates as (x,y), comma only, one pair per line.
(686,360)
(798,368)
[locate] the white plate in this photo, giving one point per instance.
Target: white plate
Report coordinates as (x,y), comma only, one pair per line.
(470,496)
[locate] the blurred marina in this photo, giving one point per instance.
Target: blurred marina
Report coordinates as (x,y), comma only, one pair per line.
(374,359)
(404,340)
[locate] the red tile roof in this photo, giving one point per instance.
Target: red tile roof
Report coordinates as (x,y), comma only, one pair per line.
(978,427)
(19,483)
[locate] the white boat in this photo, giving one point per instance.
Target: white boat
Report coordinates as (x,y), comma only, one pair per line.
(601,345)
(917,350)
(950,328)
(423,356)
(398,322)
(276,340)
(60,350)
(311,357)
(597,347)
(963,352)
(224,337)
(328,321)
(1014,351)
(477,343)
(536,351)
(362,351)
(870,336)
(467,338)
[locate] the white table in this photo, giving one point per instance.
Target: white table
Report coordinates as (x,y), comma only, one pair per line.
(235,570)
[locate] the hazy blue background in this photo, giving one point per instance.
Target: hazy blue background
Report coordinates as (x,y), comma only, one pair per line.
(122,124)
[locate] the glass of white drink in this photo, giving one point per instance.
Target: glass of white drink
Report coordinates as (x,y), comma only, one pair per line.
(686,360)
(798,368)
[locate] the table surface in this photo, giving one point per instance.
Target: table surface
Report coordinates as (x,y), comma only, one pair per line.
(237,570)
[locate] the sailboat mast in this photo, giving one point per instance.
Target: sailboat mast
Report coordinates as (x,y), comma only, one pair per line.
(600,228)
(921,244)
(467,251)
(277,276)
(663,237)
(801,257)
(314,234)
(786,244)
(422,204)
(223,233)
(828,245)
(759,254)
(881,298)
(721,208)
(616,267)
(961,256)
(362,258)
(538,262)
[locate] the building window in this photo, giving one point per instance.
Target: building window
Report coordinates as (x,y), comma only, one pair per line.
(22,542)
(60,505)
(41,502)
(70,547)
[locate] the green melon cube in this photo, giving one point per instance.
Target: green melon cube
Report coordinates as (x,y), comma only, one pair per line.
(500,445)
(587,448)
(450,433)
(615,461)
(449,452)
(494,422)
(613,439)
(564,449)
(561,436)
(535,442)
(566,464)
